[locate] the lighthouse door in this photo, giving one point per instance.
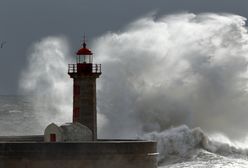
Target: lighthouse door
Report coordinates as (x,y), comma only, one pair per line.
(52,137)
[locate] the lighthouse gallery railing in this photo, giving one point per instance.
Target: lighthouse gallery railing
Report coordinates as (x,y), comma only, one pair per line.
(96,68)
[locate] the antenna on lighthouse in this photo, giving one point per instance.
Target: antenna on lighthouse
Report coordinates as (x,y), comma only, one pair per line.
(84,41)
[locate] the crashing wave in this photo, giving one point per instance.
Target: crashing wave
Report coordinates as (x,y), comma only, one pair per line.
(184,143)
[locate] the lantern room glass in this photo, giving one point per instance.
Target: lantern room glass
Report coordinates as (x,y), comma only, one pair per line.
(84,59)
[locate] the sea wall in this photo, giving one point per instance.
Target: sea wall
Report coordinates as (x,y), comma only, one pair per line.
(99,154)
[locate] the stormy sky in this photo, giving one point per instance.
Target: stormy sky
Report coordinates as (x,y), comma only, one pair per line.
(27,21)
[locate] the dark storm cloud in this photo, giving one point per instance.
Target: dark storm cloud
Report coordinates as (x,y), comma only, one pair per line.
(24,22)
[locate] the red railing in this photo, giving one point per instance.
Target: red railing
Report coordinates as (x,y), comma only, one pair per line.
(73,68)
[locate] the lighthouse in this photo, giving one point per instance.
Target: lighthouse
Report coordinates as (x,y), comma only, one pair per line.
(84,74)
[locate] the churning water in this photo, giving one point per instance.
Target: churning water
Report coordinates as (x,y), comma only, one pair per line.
(162,76)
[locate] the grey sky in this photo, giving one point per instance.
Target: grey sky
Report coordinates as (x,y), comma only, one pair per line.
(23,22)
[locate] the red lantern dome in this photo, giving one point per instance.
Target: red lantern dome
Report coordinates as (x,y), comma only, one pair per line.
(84,50)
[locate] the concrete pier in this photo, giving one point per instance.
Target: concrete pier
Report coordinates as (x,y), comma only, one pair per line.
(98,154)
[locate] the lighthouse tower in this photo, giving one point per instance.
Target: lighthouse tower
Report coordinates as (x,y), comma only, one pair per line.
(84,74)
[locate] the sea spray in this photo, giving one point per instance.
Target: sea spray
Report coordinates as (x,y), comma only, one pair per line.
(46,80)
(177,69)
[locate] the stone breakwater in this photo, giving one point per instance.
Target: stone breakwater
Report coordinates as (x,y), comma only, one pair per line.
(103,153)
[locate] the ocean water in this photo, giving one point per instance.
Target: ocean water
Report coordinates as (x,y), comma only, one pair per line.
(16,116)
(178,147)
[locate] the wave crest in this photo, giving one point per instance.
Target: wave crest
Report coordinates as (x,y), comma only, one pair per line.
(184,143)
